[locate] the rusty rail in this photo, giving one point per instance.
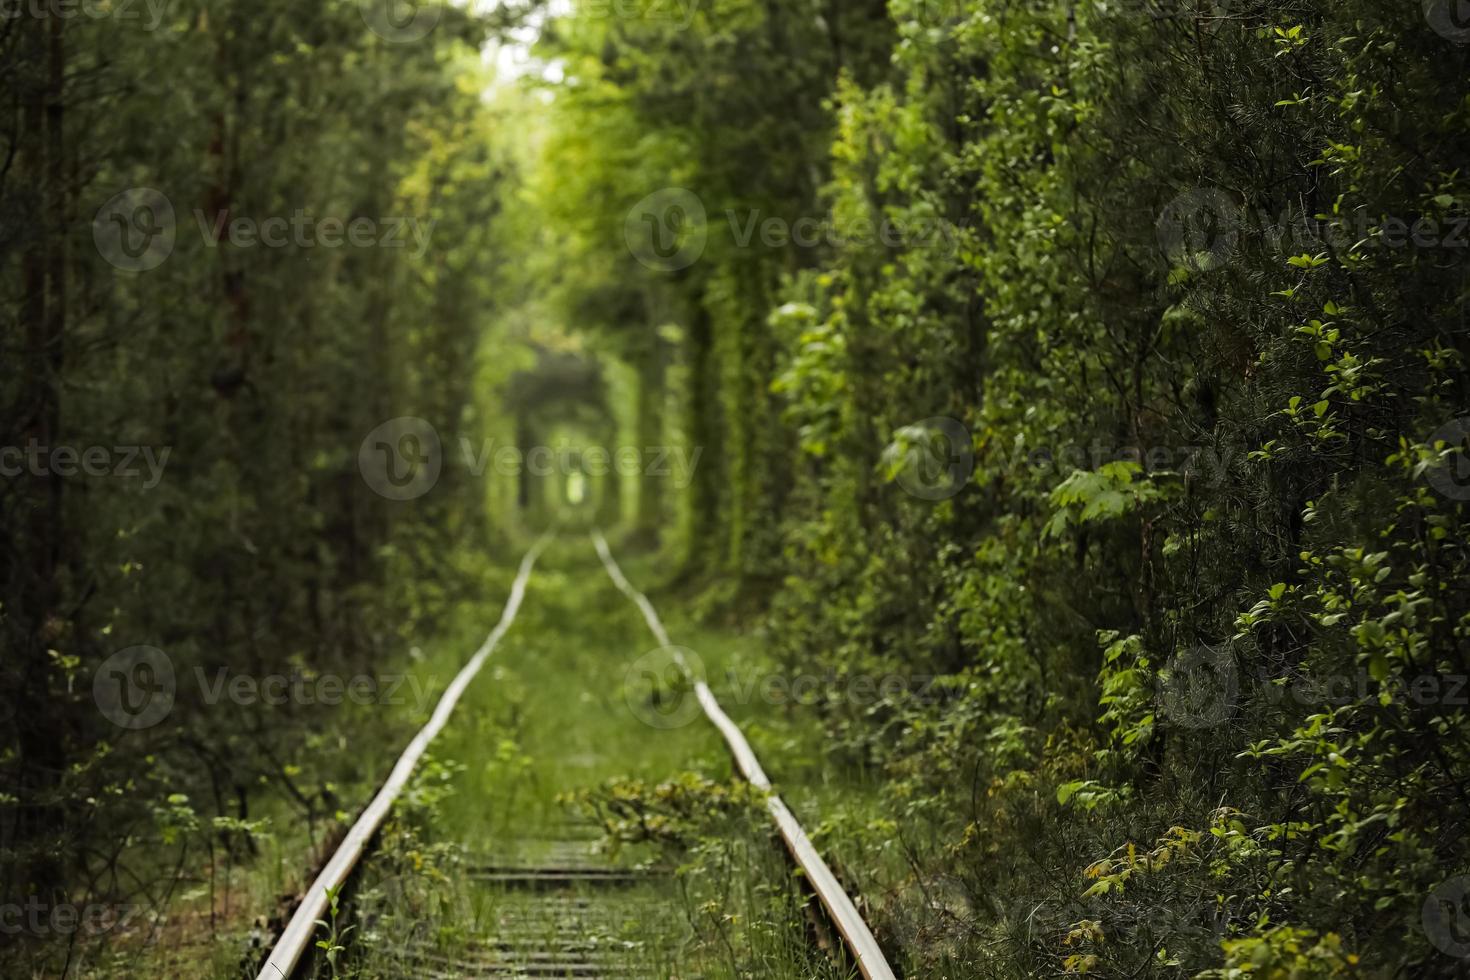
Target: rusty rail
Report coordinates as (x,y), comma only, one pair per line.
(296,938)
(844,914)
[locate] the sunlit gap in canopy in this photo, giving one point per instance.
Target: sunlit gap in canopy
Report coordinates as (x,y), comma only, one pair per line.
(511,54)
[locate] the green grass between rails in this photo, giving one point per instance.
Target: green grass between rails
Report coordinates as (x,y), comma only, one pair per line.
(557,712)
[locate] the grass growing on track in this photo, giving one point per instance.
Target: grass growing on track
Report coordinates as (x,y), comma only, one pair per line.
(550,716)
(348,748)
(780,709)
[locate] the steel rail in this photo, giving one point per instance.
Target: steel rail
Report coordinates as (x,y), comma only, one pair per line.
(296,938)
(844,914)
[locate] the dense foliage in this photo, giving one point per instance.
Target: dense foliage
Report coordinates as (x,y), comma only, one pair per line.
(1118,386)
(217,386)
(1104,360)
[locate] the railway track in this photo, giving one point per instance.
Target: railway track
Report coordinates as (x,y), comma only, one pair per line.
(560,909)
(856,935)
(552,904)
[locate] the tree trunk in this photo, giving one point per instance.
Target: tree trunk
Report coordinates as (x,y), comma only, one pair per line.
(38,624)
(704,428)
(648,518)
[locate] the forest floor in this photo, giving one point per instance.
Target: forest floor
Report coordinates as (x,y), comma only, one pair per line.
(493,861)
(578,810)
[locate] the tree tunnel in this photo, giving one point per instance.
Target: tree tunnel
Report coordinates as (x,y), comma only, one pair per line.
(562,467)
